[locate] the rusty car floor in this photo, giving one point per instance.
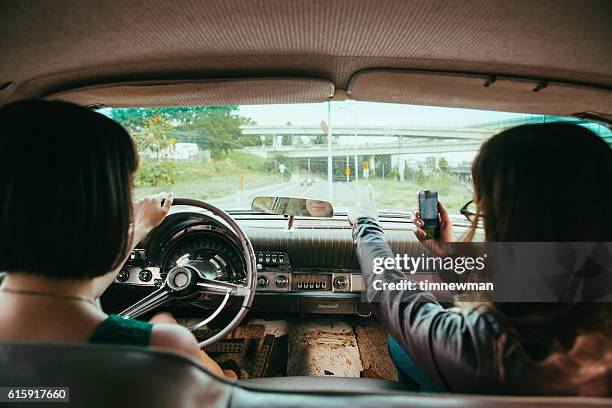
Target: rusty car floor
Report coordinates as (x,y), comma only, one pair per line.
(318,346)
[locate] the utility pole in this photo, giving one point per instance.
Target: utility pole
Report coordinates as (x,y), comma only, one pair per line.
(355,141)
(274,152)
(330,181)
(348,169)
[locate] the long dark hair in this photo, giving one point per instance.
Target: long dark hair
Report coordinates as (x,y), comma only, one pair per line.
(546,183)
(65,190)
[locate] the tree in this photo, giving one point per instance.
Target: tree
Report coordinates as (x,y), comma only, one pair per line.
(420,177)
(287,140)
(319,139)
(219,131)
(430,165)
(443,165)
(214,128)
(134,118)
(154,136)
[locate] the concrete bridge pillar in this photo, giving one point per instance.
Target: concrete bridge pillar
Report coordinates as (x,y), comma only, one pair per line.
(372,165)
(401,167)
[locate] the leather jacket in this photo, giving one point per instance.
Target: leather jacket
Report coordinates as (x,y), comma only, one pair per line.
(464,350)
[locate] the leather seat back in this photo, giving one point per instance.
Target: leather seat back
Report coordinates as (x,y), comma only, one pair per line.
(111,376)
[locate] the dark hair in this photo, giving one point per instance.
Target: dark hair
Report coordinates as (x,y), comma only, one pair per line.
(546,183)
(65,190)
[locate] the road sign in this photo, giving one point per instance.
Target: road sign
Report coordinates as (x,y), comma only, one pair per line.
(282,168)
(366,165)
(347,171)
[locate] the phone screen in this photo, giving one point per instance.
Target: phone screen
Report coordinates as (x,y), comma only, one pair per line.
(428,208)
(428,205)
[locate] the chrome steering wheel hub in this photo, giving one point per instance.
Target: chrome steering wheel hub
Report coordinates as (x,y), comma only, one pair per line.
(180,278)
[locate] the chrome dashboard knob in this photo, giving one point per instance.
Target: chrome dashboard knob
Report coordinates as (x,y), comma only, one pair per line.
(145,275)
(340,282)
(123,275)
(262,281)
(282,281)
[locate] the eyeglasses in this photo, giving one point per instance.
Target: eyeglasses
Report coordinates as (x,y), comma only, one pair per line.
(469,211)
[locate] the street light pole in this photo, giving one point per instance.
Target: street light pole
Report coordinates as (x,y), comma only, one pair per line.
(348,166)
(329,153)
(355,139)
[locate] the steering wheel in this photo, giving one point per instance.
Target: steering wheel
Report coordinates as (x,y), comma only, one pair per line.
(186,280)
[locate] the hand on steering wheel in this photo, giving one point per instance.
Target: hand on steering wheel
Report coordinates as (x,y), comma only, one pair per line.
(149,212)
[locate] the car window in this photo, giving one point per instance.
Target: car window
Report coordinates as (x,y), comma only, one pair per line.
(332,151)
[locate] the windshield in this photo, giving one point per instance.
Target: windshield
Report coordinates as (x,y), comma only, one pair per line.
(331,151)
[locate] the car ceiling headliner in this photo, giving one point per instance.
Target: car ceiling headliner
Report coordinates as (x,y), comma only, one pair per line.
(53,46)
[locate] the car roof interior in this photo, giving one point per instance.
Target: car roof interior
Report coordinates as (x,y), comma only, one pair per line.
(464,53)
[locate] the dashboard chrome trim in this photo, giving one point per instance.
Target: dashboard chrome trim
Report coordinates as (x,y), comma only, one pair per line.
(134,279)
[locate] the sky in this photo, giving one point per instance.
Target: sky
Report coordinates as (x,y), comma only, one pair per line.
(371,113)
(357,113)
(354,113)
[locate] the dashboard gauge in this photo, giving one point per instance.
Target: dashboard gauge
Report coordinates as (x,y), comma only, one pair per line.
(213,255)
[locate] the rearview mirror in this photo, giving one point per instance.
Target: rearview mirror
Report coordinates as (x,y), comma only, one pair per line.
(296,207)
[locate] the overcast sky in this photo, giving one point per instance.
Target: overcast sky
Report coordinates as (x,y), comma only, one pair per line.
(371,113)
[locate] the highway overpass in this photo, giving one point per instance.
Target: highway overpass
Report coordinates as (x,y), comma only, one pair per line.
(408,140)
(320,150)
(369,131)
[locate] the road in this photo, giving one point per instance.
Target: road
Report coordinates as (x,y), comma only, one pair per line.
(344,194)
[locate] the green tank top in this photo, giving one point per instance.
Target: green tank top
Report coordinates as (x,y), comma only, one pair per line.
(120,331)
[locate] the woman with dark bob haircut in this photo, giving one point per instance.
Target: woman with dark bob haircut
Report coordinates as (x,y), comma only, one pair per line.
(68,223)
(532,183)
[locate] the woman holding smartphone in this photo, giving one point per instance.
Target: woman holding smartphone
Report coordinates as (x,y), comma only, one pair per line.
(532,183)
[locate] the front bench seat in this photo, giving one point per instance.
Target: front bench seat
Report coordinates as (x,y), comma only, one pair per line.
(112,376)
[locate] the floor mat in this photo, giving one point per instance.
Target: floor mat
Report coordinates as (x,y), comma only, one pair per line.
(372,340)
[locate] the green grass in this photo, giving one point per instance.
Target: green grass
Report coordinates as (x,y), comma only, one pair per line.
(216,178)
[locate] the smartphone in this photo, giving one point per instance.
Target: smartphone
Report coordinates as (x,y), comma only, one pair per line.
(428,209)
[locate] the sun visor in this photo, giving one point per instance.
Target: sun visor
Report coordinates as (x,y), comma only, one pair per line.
(478,92)
(217,92)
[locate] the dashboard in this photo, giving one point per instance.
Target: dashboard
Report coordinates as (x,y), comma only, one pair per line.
(309,269)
